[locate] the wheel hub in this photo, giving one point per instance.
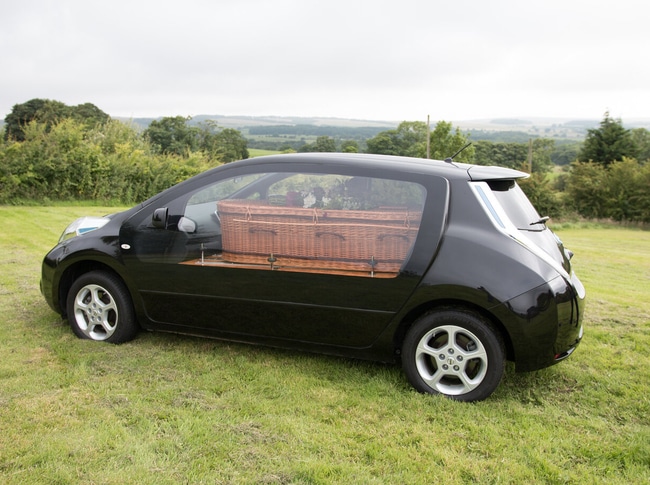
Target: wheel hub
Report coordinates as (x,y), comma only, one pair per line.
(451,360)
(96,312)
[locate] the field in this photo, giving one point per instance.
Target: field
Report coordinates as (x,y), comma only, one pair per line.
(165,409)
(256,152)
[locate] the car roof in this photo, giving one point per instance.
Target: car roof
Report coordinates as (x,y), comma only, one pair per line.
(448,169)
(367,161)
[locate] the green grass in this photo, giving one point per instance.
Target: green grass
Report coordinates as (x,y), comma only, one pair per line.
(166,409)
(258,152)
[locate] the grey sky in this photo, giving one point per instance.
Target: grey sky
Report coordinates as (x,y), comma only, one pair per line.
(365,59)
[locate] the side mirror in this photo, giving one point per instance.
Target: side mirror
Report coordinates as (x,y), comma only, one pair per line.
(159,218)
(186,225)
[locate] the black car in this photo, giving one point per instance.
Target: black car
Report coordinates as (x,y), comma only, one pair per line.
(444,267)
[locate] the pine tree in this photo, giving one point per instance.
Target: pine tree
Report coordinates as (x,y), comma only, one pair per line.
(609,143)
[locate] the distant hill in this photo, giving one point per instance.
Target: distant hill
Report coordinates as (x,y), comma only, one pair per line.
(501,129)
(240,122)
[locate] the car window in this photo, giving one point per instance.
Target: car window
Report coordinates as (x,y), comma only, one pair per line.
(201,207)
(224,188)
(318,223)
(516,205)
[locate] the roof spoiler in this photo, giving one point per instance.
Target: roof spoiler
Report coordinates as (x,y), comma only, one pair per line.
(479,173)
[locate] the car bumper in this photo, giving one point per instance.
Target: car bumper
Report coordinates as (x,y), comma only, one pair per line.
(570,321)
(549,323)
(49,276)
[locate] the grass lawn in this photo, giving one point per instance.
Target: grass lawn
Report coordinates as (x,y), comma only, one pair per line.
(165,409)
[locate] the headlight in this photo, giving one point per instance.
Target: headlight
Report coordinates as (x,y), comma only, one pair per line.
(82,226)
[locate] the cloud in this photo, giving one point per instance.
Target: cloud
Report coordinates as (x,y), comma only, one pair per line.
(363,59)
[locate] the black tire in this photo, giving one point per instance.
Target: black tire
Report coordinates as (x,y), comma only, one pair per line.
(99,308)
(454,352)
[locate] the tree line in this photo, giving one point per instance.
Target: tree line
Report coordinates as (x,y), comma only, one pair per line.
(50,151)
(607,176)
(354,133)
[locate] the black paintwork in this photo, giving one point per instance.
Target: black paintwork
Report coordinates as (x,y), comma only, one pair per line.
(459,259)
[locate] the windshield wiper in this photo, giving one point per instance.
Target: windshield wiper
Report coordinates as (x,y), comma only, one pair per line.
(542,220)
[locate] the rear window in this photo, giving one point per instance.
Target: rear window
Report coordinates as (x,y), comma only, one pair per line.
(516,205)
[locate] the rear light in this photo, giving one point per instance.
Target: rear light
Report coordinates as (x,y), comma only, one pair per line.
(566,353)
(563,355)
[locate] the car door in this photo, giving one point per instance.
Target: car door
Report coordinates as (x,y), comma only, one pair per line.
(316,257)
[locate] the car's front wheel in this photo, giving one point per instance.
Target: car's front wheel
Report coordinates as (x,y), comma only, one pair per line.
(453,352)
(99,308)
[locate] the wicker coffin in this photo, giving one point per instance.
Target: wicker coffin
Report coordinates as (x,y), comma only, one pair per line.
(374,240)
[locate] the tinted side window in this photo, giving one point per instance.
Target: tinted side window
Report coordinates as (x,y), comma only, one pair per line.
(319,223)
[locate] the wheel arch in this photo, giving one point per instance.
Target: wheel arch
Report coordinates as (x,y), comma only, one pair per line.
(74,271)
(437,305)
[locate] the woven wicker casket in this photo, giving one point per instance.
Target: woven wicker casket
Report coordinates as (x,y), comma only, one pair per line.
(255,232)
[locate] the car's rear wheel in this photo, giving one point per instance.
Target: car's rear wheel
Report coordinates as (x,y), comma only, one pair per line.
(99,308)
(453,352)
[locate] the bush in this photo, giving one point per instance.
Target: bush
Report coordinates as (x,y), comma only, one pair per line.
(620,191)
(71,162)
(538,189)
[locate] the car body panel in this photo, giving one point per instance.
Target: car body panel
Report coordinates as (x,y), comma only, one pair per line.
(351,312)
(518,278)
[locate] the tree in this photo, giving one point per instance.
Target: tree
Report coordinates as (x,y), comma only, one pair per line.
(49,112)
(322,144)
(618,191)
(110,162)
(542,151)
(445,142)
(172,135)
(586,187)
(515,155)
(510,155)
(350,146)
(409,140)
(641,138)
(231,145)
(41,110)
(627,197)
(89,114)
(544,199)
(565,153)
(609,143)
(385,143)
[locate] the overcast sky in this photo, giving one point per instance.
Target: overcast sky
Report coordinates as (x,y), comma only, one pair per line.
(364,59)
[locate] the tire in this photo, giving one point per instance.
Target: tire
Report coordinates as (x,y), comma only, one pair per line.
(99,308)
(453,352)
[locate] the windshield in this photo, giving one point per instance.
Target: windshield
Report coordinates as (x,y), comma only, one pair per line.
(516,205)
